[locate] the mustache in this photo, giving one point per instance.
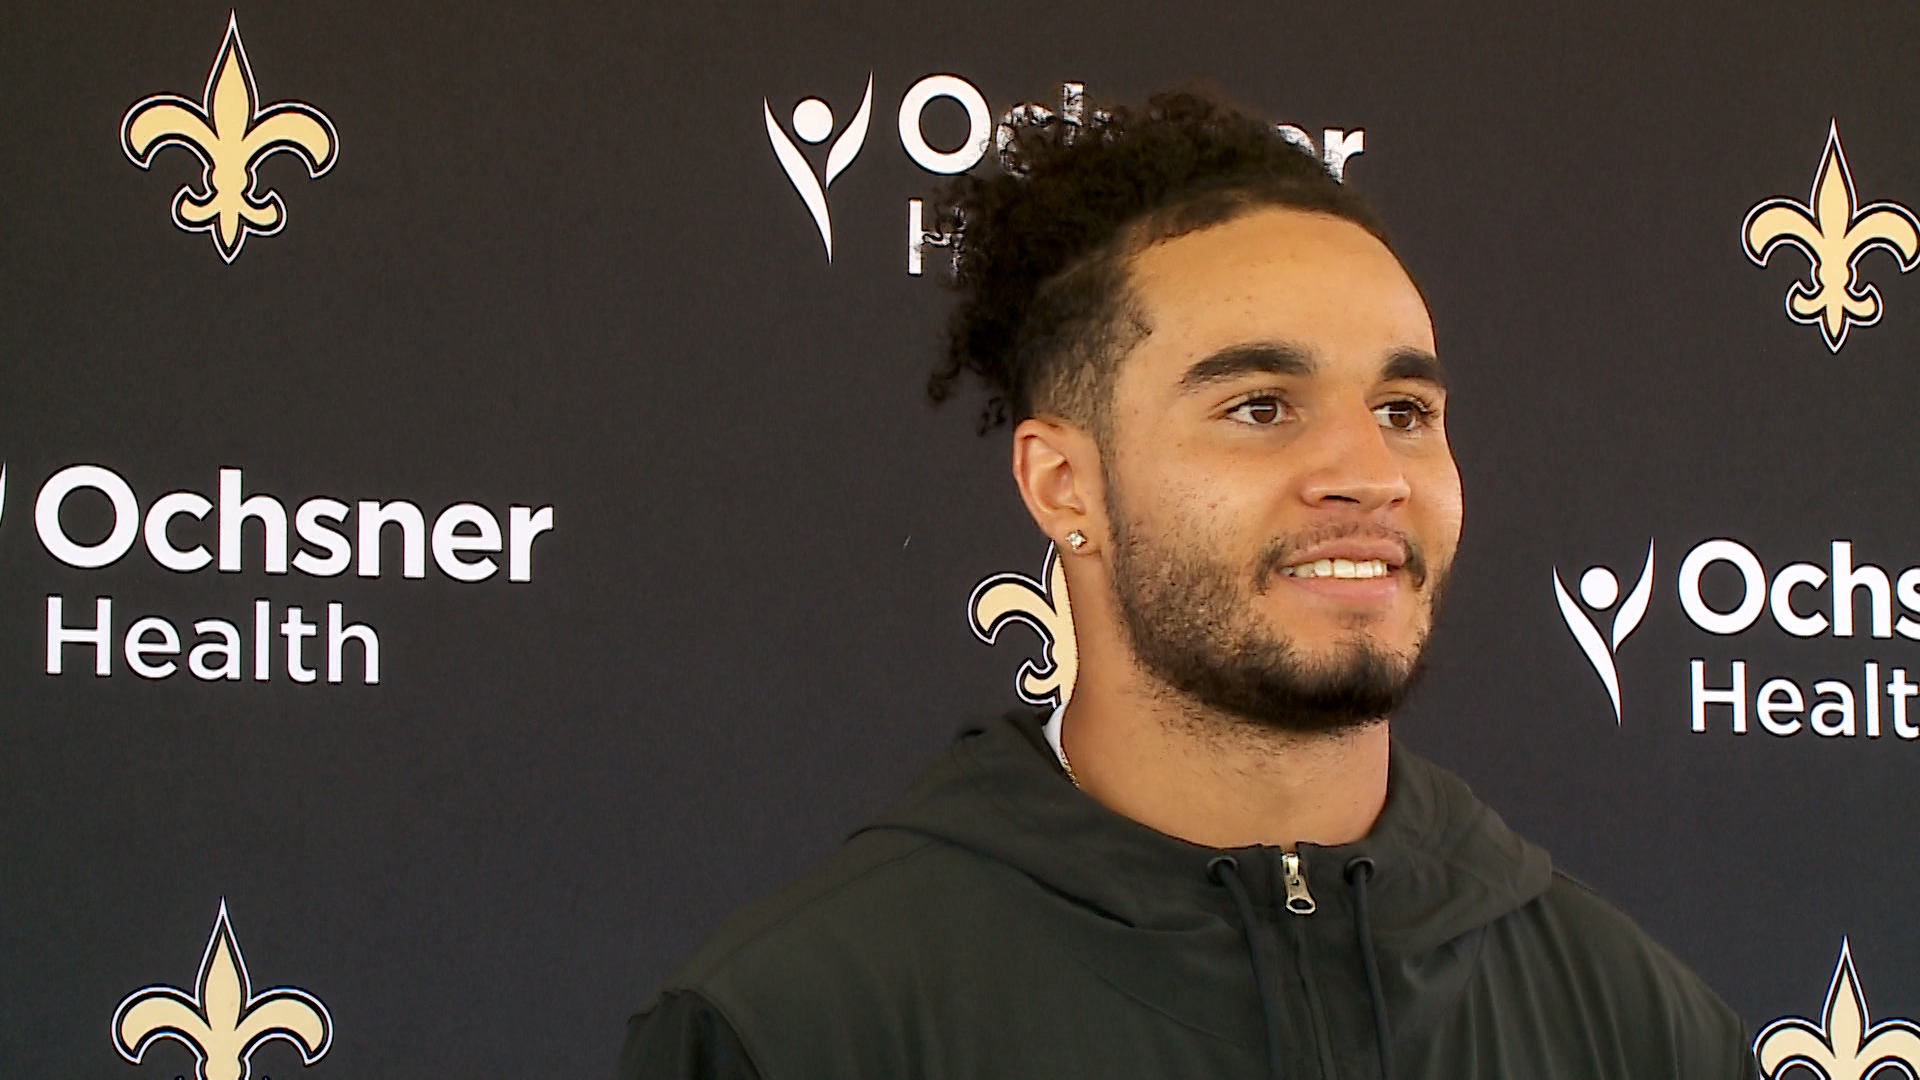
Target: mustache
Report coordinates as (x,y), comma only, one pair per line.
(1286,550)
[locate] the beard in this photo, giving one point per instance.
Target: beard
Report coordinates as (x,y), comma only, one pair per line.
(1191,622)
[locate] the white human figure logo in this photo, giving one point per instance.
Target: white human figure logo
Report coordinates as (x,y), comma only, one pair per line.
(1599,588)
(813,122)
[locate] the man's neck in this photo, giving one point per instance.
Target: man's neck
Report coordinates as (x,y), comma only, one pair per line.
(1222,782)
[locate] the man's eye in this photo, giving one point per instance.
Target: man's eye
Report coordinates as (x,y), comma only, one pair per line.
(1403,415)
(1262,410)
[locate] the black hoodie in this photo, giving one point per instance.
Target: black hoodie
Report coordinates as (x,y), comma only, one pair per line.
(999,924)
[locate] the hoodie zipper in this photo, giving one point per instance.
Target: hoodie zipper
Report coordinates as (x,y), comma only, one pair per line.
(1299,900)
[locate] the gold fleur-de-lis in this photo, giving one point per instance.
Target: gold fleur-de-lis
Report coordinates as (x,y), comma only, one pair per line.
(1014,597)
(1833,230)
(1844,1046)
(230,133)
(223,1022)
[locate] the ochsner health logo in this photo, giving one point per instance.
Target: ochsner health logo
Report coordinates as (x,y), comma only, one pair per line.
(1727,592)
(1599,588)
(813,122)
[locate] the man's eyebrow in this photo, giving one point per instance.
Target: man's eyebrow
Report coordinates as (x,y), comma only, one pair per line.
(1237,360)
(1413,364)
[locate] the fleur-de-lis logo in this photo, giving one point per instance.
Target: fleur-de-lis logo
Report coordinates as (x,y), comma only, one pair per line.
(231,134)
(223,1022)
(813,122)
(1600,588)
(1833,231)
(1014,597)
(1845,1045)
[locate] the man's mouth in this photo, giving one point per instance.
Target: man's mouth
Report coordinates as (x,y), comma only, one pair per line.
(1357,569)
(1364,555)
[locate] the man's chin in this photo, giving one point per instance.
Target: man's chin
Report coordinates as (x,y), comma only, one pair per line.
(1279,690)
(1356,659)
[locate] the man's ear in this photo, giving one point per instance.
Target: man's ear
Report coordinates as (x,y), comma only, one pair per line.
(1057,468)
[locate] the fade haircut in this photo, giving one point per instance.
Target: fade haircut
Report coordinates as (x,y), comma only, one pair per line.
(1042,246)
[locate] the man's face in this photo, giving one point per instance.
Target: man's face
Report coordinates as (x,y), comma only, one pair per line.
(1283,502)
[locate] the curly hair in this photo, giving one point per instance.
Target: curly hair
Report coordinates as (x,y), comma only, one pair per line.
(1041,247)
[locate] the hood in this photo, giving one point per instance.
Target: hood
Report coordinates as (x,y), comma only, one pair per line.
(1444,865)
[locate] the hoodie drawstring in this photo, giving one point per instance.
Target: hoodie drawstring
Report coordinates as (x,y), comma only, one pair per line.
(1225,870)
(1359,871)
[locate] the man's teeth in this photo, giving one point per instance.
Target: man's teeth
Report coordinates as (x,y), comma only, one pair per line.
(1337,568)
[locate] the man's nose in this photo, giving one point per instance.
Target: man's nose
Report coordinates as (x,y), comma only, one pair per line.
(1350,462)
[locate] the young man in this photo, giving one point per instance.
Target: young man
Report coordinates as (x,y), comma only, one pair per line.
(1230,417)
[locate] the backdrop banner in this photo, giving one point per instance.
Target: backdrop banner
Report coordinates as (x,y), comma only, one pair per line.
(471,515)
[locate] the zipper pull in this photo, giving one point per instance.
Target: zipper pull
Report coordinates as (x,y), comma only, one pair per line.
(1299,900)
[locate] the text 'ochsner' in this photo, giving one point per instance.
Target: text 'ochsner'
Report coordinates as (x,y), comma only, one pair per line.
(464,540)
(1806,600)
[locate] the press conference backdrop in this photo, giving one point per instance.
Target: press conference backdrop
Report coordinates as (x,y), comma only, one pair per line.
(471,519)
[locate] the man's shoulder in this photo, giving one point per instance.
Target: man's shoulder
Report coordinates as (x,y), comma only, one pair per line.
(883,892)
(1614,975)
(787,976)
(1604,935)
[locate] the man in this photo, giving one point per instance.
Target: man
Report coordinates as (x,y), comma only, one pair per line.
(1230,418)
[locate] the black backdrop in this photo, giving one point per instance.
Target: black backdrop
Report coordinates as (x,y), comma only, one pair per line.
(557,263)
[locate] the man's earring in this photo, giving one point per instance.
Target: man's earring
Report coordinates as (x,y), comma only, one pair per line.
(1077,540)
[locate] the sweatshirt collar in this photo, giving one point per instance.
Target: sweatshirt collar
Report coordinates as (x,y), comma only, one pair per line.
(1444,862)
